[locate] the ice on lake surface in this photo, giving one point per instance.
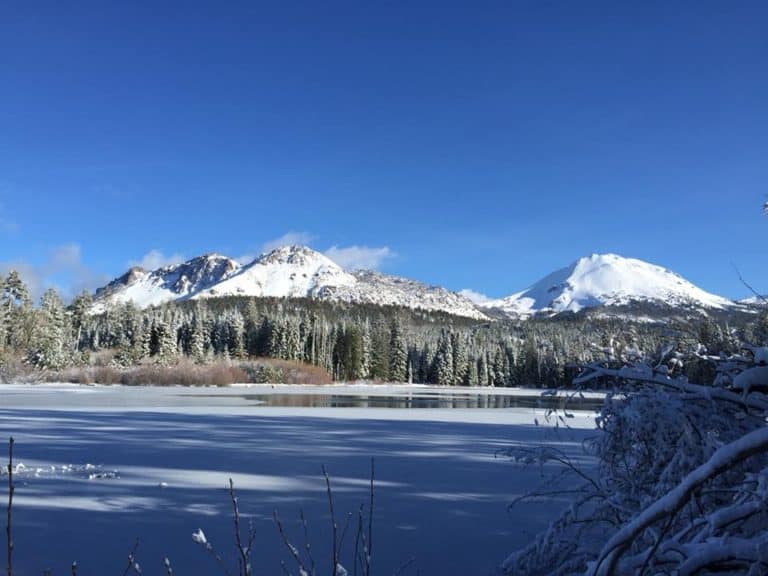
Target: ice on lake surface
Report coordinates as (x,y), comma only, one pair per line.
(105,465)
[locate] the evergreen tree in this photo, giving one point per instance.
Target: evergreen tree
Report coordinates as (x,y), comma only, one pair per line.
(235,334)
(81,307)
(197,340)
(444,362)
(398,354)
(483,378)
(366,344)
(48,341)
(380,354)
(460,360)
(163,342)
(18,313)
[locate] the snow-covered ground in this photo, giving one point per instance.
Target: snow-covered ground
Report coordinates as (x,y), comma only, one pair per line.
(104,465)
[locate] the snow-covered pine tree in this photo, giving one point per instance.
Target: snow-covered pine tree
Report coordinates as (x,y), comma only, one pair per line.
(47,346)
(235,328)
(398,353)
(366,343)
(380,352)
(460,360)
(163,347)
(444,361)
(482,369)
(197,340)
(18,312)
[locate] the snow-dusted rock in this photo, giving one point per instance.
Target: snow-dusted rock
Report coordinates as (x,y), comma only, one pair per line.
(176,282)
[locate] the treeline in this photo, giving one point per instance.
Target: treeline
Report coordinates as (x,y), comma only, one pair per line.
(350,342)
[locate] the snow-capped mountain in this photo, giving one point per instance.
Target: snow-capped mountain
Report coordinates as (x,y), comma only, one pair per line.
(176,282)
(600,280)
(287,272)
(607,280)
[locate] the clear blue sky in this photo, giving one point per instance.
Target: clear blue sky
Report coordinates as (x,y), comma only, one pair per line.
(483,143)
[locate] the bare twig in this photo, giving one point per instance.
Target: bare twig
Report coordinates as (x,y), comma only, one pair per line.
(168,569)
(365,559)
(749,287)
(291,548)
(370,524)
(11,490)
(307,545)
(334,526)
(244,551)
(73,568)
(358,536)
(132,564)
(404,566)
(200,538)
(344,533)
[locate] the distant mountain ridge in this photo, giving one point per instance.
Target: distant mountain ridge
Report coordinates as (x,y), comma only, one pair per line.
(287,272)
(596,281)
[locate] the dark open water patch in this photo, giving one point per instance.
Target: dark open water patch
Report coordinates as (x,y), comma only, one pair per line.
(420,400)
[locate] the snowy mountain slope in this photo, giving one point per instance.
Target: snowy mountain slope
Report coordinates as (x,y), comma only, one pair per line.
(606,280)
(755,301)
(176,282)
(600,280)
(382,289)
(287,272)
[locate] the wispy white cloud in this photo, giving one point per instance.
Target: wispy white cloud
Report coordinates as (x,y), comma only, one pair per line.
(360,257)
(476,297)
(155,259)
(64,257)
(63,269)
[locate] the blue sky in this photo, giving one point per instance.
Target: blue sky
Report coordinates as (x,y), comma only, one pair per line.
(473,145)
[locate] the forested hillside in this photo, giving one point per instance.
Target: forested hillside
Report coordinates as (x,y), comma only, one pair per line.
(349,341)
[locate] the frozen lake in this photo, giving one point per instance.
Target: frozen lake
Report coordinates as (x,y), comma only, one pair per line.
(162,458)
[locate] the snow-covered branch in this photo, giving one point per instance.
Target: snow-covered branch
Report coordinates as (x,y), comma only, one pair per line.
(755,442)
(681,484)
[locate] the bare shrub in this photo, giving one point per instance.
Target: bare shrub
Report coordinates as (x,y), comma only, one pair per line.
(87,375)
(187,373)
(290,372)
(14,369)
(103,357)
(106,375)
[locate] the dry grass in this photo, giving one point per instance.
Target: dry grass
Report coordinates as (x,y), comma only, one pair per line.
(187,373)
(294,372)
(14,369)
